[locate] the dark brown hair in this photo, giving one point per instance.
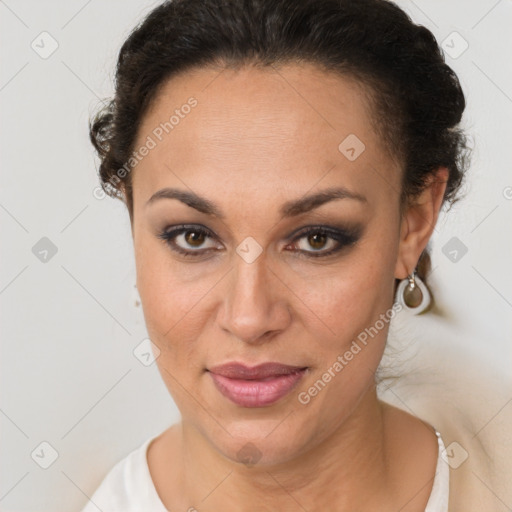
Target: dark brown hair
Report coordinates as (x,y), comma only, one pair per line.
(416,97)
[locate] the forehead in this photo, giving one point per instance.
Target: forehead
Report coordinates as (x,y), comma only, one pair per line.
(270,129)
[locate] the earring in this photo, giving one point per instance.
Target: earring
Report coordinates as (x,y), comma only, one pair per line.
(413,294)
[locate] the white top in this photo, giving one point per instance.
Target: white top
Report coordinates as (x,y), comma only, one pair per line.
(128,486)
(438,501)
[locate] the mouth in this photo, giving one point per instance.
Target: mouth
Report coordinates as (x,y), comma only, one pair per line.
(257,386)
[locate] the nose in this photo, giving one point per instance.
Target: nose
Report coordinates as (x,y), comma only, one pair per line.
(256,306)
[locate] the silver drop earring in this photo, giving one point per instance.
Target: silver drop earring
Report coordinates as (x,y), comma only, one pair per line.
(413,294)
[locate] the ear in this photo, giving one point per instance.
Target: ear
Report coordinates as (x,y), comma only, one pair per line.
(418,223)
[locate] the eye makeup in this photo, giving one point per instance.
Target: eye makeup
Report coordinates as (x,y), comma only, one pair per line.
(189,240)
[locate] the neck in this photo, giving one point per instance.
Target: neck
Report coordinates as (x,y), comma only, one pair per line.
(348,470)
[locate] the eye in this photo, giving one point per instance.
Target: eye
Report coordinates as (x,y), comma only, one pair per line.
(183,238)
(324,240)
(189,240)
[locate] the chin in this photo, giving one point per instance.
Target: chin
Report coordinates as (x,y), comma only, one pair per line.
(266,442)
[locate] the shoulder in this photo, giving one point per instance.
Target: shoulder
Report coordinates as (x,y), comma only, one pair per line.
(471,407)
(127,487)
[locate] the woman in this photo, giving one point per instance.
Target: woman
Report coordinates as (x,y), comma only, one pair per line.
(284,164)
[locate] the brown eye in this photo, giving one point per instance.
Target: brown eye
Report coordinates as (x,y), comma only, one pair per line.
(317,241)
(323,241)
(188,240)
(194,238)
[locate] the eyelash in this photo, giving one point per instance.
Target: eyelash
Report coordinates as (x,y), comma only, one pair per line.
(344,239)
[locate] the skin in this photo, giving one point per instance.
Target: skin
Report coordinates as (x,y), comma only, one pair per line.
(256,139)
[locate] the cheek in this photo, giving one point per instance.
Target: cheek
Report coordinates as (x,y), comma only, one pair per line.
(351,305)
(169,303)
(169,291)
(176,303)
(345,309)
(349,297)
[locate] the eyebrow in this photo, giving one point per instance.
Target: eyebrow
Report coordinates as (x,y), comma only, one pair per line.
(291,208)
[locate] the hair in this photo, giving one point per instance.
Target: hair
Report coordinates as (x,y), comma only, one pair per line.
(416,98)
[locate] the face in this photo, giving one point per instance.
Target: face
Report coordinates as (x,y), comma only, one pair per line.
(245,282)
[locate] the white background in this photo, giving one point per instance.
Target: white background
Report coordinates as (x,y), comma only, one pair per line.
(69,326)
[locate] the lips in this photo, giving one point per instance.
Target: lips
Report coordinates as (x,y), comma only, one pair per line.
(255,386)
(262,371)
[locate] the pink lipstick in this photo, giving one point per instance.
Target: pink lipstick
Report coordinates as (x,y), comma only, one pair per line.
(256,386)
